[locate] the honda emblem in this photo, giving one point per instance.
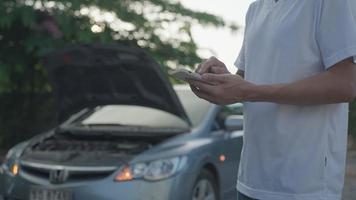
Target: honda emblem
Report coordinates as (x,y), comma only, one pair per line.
(58,176)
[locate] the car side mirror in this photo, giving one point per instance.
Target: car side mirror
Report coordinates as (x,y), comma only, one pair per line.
(234,123)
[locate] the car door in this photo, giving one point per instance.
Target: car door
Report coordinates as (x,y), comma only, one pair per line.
(233,146)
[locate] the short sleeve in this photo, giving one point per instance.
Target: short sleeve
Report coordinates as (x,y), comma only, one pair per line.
(240,61)
(336,31)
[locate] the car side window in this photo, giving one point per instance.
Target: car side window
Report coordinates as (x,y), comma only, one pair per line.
(226,111)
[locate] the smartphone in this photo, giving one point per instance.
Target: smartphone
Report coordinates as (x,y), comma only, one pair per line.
(184,74)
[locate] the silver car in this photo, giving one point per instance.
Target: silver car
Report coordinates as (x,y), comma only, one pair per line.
(128,135)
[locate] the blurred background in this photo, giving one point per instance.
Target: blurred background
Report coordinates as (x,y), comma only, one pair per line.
(175,33)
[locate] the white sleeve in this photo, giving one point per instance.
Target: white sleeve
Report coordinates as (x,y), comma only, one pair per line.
(336,31)
(240,61)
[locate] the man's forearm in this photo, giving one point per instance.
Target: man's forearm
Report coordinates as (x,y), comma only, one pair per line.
(333,86)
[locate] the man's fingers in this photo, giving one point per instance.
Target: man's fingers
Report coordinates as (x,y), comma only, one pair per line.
(219,70)
(203,87)
(214,78)
(196,91)
(197,70)
(202,95)
(204,68)
(208,64)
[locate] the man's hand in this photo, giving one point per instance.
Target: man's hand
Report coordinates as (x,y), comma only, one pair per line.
(335,85)
(212,65)
(227,88)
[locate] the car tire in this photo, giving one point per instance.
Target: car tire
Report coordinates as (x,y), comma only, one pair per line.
(205,187)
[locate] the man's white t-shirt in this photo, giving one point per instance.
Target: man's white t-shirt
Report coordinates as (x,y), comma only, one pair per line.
(294,152)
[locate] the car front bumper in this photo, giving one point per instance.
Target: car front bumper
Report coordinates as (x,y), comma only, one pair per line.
(174,188)
(2,176)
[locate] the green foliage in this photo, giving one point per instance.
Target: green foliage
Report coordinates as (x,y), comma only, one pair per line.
(162,27)
(23,116)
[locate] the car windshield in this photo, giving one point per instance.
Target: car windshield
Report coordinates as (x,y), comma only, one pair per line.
(131,115)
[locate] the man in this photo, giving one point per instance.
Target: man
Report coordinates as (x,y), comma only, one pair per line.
(295,76)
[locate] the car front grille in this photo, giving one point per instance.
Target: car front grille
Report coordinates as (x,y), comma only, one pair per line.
(40,173)
(74,174)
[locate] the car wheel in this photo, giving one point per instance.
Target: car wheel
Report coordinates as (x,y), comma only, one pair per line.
(205,187)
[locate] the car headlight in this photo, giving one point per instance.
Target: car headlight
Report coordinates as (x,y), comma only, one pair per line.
(9,163)
(8,158)
(152,171)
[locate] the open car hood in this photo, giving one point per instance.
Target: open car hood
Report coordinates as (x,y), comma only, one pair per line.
(86,76)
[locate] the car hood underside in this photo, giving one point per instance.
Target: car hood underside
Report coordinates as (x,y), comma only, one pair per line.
(86,76)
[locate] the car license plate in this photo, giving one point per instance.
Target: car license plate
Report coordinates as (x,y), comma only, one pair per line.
(49,194)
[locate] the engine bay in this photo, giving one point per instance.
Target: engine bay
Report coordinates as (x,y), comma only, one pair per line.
(63,143)
(70,149)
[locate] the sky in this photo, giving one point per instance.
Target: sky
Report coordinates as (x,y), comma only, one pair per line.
(222,42)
